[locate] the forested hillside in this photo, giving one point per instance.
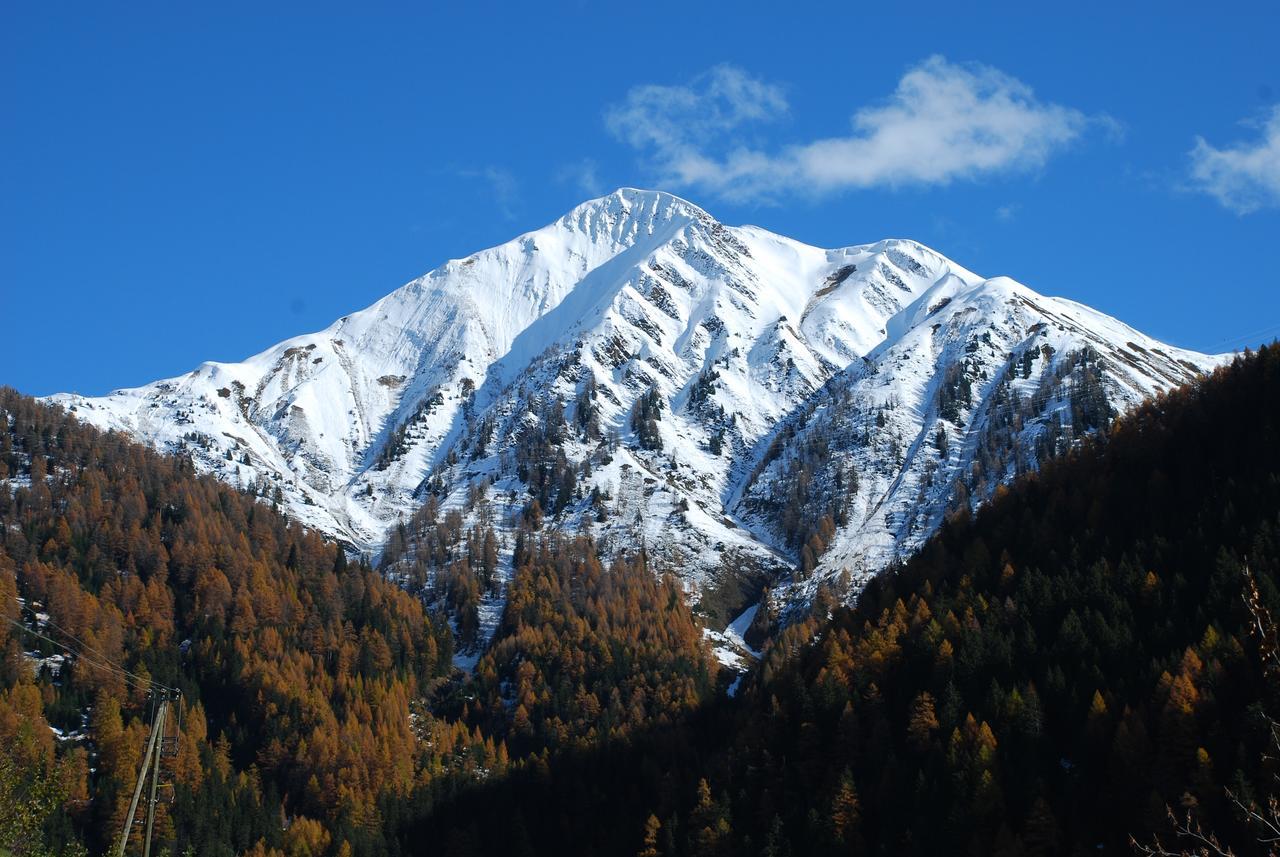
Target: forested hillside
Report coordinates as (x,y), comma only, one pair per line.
(296,668)
(316,714)
(1047,675)
(1044,678)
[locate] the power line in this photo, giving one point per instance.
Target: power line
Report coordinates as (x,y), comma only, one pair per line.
(156,744)
(100,654)
(1248,337)
(132,679)
(132,682)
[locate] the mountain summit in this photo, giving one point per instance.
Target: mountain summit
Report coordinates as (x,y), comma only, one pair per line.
(738,403)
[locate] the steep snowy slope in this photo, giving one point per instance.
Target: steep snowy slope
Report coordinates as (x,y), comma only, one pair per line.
(318,416)
(974,383)
(733,401)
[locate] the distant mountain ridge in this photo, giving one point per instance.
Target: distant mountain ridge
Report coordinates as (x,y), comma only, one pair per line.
(736,402)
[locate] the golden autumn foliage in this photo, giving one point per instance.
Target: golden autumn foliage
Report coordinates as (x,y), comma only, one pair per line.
(297,668)
(586,654)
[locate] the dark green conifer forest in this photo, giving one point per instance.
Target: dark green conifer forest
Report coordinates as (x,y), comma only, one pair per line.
(1049,676)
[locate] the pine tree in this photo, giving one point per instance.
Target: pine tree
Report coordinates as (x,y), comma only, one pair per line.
(923,721)
(777,844)
(845,811)
(649,848)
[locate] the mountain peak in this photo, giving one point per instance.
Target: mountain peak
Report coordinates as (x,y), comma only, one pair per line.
(634,197)
(639,351)
(627,214)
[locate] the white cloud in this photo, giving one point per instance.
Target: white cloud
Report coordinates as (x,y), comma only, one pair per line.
(502,185)
(674,119)
(1006,213)
(943,122)
(1244,177)
(583,175)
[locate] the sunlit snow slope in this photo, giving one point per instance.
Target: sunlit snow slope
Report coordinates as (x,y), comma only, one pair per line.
(802,407)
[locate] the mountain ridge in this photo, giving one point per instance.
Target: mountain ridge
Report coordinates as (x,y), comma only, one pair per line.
(734,334)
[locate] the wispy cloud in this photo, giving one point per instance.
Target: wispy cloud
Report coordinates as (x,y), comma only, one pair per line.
(1244,177)
(677,121)
(583,175)
(1007,213)
(502,185)
(944,122)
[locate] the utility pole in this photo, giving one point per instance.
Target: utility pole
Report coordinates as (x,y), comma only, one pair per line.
(155,776)
(157,747)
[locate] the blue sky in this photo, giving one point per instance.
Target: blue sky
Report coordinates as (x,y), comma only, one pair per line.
(177,186)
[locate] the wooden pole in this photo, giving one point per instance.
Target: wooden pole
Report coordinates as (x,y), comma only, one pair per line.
(155,777)
(137,790)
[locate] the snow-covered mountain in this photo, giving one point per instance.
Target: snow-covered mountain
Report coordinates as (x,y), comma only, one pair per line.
(736,401)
